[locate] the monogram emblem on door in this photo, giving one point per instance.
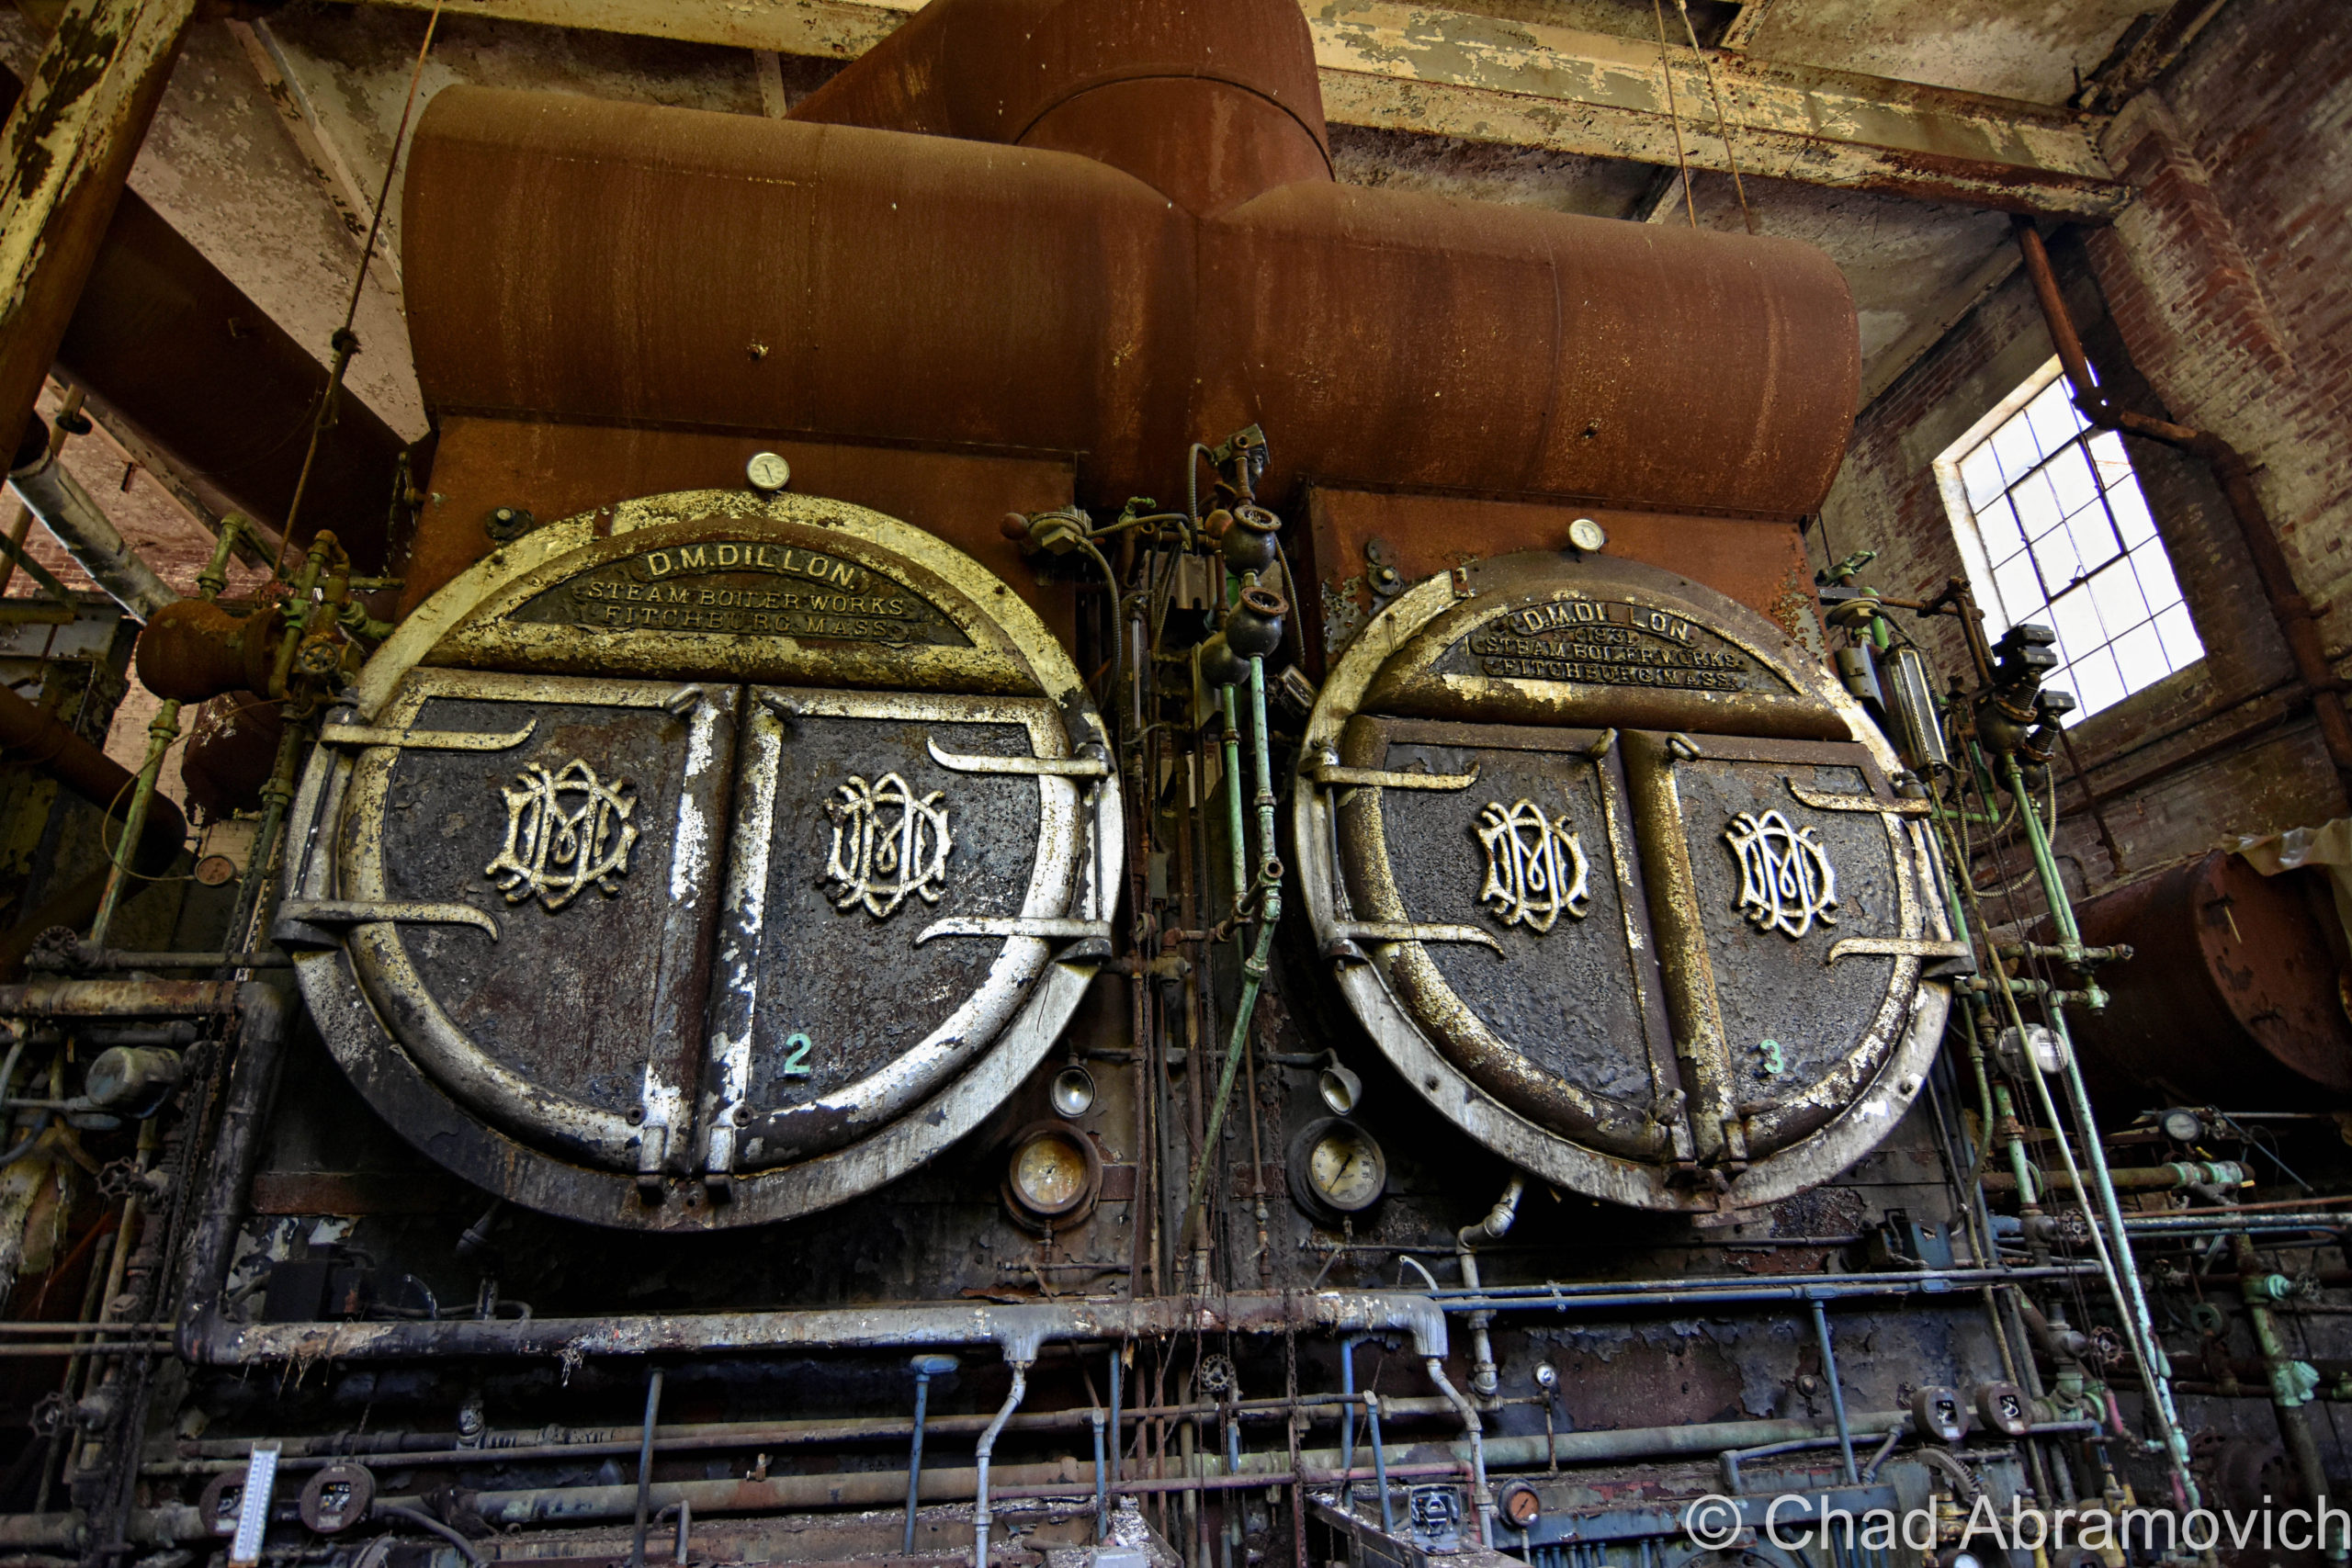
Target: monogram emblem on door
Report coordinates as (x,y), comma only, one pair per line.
(1786,882)
(564,831)
(889,845)
(1535,868)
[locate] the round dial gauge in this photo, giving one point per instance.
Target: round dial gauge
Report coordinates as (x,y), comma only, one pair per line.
(1052,1175)
(1337,1168)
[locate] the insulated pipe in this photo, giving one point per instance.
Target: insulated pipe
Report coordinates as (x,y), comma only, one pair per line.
(2140,1179)
(981,1455)
(1494,1227)
(66,510)
(1474,1430)
(1020,1329)
(2298,623)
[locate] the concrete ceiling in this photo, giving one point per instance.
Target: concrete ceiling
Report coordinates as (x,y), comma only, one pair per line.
(269,149)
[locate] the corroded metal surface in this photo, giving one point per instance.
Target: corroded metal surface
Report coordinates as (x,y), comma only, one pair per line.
(849,282)
(1208,102)
(1716,868)
(2220,954)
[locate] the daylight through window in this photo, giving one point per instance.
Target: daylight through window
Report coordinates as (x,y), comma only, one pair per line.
(2052,519)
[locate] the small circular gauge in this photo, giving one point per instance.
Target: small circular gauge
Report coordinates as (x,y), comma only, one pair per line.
(1588,535)
(1520,1506)
(1336,1169)
(768,472)
(1053,1174)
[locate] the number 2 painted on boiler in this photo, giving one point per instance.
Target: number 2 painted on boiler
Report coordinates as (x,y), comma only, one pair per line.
(795,1056)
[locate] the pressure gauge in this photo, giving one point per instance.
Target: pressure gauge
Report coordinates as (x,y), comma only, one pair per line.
(1336,1169)
(1588,535)
(767,472)
(1051,1180)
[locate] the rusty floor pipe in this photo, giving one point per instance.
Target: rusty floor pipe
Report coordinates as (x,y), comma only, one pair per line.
(2298,623)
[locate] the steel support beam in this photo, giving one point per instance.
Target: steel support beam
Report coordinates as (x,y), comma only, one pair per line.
(66,149)
(1417,68)
(1414,68)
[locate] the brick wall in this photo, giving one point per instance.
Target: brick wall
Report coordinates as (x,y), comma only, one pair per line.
(2220,298)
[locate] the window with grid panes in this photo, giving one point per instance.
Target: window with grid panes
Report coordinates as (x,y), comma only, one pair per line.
(2069,544)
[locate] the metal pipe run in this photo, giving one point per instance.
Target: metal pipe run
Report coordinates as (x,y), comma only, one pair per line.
(1467,1240)
(2289,1395)
(1473,1429)
(983,1454)
(926,1368)
(1642,1295)
(886,1488)
(1836,1389)
(207,1456)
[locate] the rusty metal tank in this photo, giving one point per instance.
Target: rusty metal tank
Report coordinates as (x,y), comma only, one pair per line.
(2235,993)
(1135,246)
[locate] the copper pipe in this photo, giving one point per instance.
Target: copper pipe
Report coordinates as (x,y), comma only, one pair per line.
(2296,620)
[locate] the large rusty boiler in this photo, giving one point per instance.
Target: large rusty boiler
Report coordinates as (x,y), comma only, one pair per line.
(914,273)
(1045,784)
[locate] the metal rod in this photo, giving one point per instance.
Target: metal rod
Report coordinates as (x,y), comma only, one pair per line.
(1836,1389)
(163,729)
(1347,1416)
(645,1469)
(1118,1354)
